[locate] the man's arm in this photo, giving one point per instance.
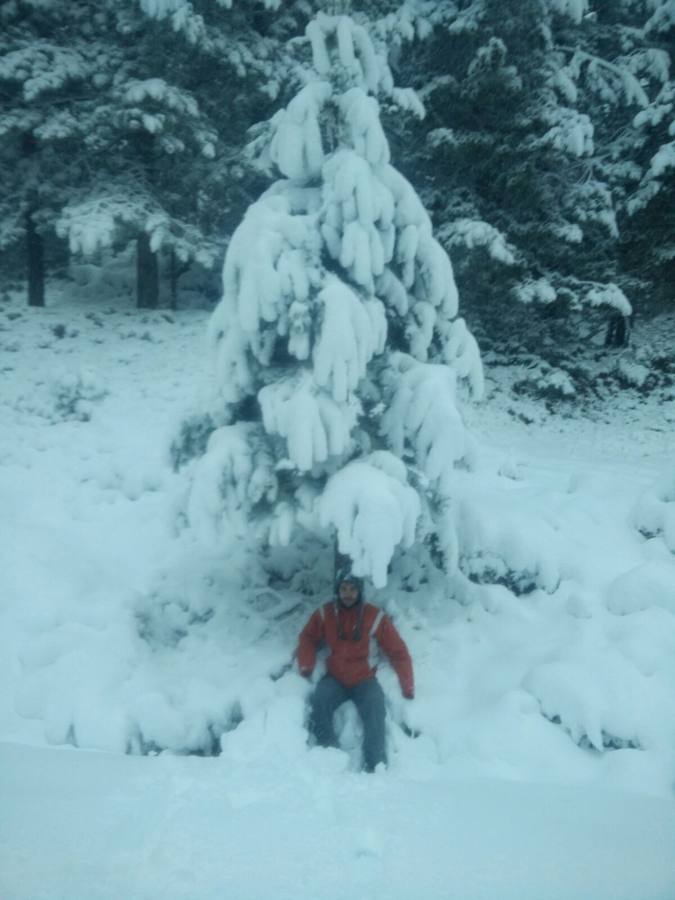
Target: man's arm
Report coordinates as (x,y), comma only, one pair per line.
(309,642)
(394,647)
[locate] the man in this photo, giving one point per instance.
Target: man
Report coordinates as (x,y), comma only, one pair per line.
(348,626)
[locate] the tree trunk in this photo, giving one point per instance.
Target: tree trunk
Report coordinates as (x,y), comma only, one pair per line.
(35,263)
(175,272)
(35,248)
(618,332)
(147,274)
(173,279)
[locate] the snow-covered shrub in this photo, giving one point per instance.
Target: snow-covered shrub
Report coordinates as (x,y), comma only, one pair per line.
(75,395)
(648,366)
(336,347)
(506,541)
(600,700)
(105,272)
(192,439)
(165,621)
(655,511)
(60,331)
(630,373)
(547,382)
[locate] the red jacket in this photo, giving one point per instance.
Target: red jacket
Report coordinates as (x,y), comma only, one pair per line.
(350,660)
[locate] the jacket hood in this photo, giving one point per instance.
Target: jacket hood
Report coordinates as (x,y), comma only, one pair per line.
(345,574)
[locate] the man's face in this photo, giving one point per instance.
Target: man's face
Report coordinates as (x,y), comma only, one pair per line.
(348,593)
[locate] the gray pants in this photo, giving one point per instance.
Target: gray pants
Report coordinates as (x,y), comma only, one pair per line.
(368,697)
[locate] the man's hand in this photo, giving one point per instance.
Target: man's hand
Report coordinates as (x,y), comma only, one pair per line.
(409,725)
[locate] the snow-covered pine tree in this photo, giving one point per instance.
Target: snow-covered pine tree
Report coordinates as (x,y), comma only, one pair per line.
(510,168)
(164,148)
(113,128)
(643,155)
(47,69)
(337,347)
(617,69)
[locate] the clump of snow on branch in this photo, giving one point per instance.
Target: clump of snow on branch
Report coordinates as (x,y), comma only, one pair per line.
(159,9)
(266,264)
(234,475)
(313,424)
(461,353)
(373,510)
(181,12)
(296,147)
(609,295)
(92,225)
(271,264)
(539,291)
(474,233)
(662,160)
(571,131)
(575,9)
(340,40)
(353,332)
(423,418)
(157,89)
(663,17)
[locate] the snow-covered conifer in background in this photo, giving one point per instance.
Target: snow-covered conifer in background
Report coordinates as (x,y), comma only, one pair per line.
(337,348)
(535,99)
(113,133)
(650,198)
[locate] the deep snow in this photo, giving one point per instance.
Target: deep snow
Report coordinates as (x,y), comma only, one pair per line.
(546,758)
(92,825)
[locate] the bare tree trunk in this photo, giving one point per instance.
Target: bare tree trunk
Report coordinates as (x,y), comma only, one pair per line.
(35,263)
(618,331)
(35,249)
(173,279)
(147,274)
(175,272)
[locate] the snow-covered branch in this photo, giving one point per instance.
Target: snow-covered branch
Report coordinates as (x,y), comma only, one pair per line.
(373,510)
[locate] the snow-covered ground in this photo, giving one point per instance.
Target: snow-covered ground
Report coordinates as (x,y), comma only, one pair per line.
(545,759)
(91,825)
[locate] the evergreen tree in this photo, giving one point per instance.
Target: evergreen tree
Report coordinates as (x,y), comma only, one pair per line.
(165,144)
(337,347)
(640,155)
(115,129)
(513,171)
(48,70)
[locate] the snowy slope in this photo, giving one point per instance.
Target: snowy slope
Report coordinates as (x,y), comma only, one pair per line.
(546,757)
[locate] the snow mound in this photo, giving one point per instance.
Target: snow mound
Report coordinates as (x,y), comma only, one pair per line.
(600,699)
(276,729)
(643,587)
(655,511)
(505,539)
